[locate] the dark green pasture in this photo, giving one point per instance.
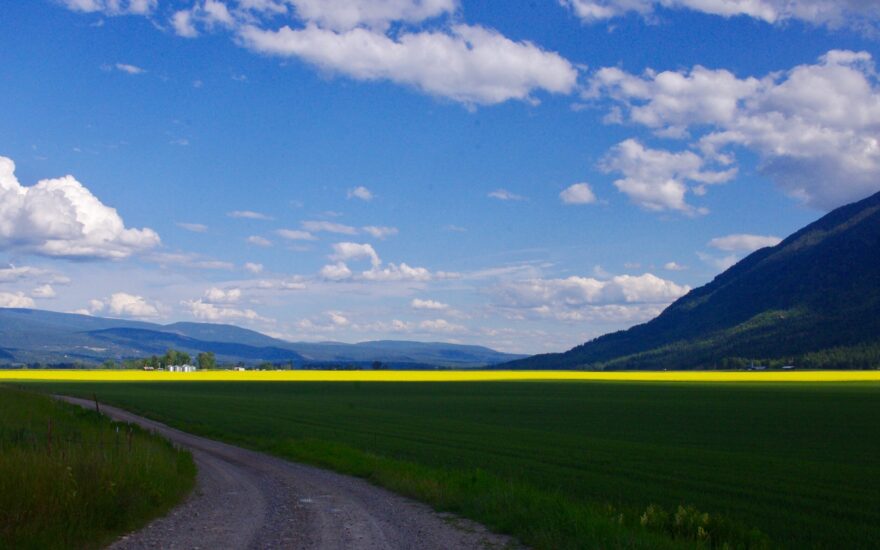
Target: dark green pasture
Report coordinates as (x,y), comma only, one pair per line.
(572,465)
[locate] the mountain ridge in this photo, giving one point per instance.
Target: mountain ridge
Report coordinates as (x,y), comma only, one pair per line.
(814,291)
(40,336)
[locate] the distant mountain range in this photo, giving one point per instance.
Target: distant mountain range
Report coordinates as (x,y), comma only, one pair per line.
(813,300)
(37,336)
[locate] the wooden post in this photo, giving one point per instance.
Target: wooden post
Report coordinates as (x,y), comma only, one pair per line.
(129,438)
(97,406)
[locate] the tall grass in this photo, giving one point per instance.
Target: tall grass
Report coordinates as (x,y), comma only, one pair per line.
(71,478)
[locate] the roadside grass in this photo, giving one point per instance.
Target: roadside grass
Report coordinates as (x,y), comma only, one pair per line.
(572,465)
(71,478)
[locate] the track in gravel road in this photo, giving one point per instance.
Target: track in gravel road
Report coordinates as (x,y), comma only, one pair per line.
(246,499)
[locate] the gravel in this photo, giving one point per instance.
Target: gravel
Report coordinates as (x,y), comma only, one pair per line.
(246,499)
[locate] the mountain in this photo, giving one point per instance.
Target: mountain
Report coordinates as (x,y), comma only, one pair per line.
(813,299)
(35,336)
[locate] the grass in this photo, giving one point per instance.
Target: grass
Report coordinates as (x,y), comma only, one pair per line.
(70,478)
(573,465)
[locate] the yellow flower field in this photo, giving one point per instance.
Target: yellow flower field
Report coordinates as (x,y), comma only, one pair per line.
(437,376)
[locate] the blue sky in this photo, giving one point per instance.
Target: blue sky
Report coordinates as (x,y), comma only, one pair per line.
(525,178)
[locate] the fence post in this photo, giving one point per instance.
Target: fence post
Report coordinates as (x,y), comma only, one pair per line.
(97,406)
(129,439)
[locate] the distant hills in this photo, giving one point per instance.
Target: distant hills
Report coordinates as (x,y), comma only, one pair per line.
(30,336)
(813,300)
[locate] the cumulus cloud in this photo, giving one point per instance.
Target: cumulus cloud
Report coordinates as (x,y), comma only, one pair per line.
(335,272)
(329,227)
(16,299)
(814,127)
(658,180)
(579,193)
(123,304)
(248,215)
(253,267)
(743,242)
(833,13)
(16,273)
(346,251)
(216,295)
(505,195)
(295,235)
(216,313)
(380,232)
(427,304)
(61,218)
(112,7)
(207,13)
(43,291)
(617,299)
(361,193)
(395,272)
(470,64)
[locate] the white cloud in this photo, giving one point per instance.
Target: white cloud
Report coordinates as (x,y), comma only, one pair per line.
(112,7)
(343,252)
(427,304)
(469,64)
(254,268)
(183,23)
(833,13)
(17,299)
(256,240)
(743,242)
(194,227)
(335,272)
(618,299)
(395,272)
(505,195)
(129,69)
(216,313)
(329,227)
(248,215)
(343,15)
(674,266)
(338,319)
(60,217)
(814,127)
(658,180)
(361,193)
(578,193)
(216,295)
(380,232)
(123,304)
(295,235)
(43,291)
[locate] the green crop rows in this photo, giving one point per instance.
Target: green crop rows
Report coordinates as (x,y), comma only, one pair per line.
(571,465)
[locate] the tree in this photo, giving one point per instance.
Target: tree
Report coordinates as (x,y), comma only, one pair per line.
(170,358)
(206,360)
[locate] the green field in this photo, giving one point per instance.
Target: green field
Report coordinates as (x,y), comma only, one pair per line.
(70,478)
(568,465)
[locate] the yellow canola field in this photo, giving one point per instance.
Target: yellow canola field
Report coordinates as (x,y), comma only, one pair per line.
(436,376)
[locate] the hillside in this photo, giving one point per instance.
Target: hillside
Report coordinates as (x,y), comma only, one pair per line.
(815,295)
(35,336)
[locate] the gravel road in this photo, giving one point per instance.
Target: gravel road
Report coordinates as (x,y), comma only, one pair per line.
(246,499)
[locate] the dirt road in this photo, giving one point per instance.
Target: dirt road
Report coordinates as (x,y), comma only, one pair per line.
(246,499)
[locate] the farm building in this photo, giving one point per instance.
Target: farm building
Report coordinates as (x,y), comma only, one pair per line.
(181,368)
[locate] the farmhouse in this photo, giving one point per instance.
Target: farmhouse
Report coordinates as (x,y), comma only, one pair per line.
(182,368)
